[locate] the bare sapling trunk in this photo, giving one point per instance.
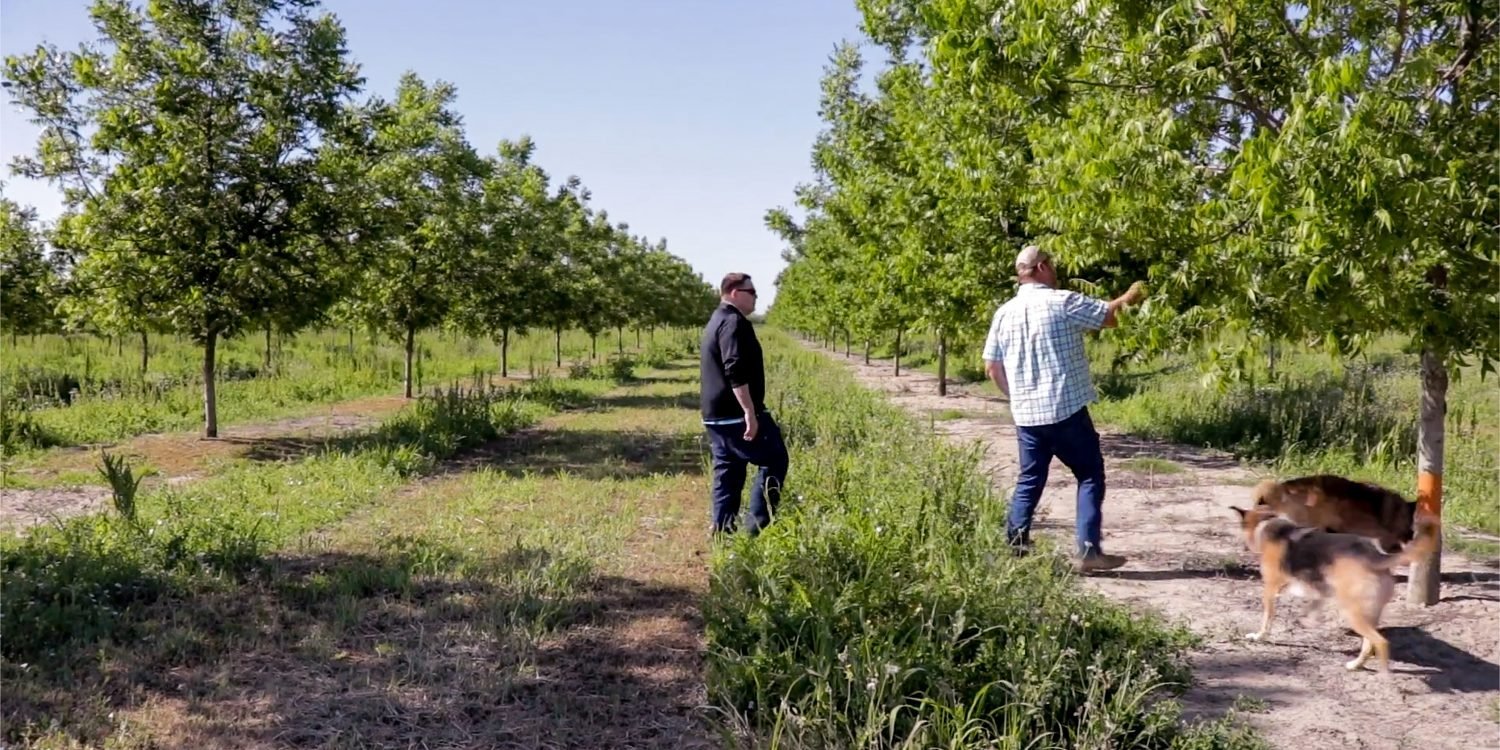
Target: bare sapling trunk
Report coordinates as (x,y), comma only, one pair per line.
(1422,587)
(505,352)
(210,397)
(145,352)
(558,344)
(267,367)
(942,353)
(897,350)
(411,345)
(867,352)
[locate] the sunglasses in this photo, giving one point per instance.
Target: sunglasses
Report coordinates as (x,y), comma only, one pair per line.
(750,292)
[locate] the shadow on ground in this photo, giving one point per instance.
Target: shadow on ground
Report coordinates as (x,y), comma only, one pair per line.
(590,454)
(342,650)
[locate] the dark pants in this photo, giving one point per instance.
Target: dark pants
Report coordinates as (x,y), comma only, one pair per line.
(1075,442)
(731,454)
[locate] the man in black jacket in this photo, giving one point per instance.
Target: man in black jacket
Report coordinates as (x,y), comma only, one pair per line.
(733,400)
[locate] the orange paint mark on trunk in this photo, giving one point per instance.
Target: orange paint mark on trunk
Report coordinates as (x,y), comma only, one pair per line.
(1430,494)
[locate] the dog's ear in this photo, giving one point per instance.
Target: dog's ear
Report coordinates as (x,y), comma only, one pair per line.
(1239,510)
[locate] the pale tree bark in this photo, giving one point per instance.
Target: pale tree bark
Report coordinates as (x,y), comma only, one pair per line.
(1426,575)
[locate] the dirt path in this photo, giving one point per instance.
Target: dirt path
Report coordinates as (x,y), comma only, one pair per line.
(1166,509)
(72,486)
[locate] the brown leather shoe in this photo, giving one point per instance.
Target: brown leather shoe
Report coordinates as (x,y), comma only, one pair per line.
(1096,563)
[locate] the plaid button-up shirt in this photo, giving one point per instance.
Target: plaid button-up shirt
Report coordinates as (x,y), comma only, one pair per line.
(1038,336)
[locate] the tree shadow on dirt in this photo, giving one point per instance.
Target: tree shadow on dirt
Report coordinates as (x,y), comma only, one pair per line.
(589,454)
(1450,669)
(680,400)
(412,647)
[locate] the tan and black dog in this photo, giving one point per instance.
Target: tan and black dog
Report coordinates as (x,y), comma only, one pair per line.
(1347,568)
(1336,504)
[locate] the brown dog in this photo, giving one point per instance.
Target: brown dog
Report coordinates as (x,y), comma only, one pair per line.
(1349,569)
(1339,505)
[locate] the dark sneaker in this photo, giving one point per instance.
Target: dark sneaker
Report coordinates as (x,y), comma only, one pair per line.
(1097,562)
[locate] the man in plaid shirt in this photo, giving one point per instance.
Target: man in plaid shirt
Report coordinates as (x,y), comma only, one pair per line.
(1034,354)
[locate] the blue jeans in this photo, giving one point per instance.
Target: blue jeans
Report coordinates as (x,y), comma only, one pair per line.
(1075,442)
(730,455)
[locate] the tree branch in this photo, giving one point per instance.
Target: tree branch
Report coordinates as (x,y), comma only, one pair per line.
(1470,43)
(1400,51)
(1302,44)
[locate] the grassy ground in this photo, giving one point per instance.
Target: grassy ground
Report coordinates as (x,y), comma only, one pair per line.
(58,392)
(527,567)
(880,610)
(1356,418)
(472,571)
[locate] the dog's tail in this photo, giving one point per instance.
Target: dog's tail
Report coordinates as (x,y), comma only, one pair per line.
(1421,545)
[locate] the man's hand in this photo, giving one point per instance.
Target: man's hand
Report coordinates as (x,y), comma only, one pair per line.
(752,426)
(1136,293)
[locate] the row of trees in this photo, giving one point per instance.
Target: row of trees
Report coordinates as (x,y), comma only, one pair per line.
(1321,172)
(220,174)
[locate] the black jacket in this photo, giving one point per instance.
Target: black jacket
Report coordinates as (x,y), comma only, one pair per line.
(730,356)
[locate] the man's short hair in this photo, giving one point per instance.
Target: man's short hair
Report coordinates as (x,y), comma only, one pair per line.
(1029,258)
(733,281)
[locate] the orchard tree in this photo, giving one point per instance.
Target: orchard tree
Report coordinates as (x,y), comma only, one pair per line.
(28,279)
(503,281)
(1325,176)
(187,144)
(427,182)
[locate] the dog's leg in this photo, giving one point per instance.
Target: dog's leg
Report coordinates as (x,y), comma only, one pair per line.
(1362,618)
(1365,649)
(1268,605)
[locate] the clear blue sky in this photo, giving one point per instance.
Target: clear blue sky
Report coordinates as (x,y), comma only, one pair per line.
(686,118)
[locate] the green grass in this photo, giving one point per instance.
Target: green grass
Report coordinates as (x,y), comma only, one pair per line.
(1309,414)
(1148,465)
(879,610)
(428,581)
(80,390)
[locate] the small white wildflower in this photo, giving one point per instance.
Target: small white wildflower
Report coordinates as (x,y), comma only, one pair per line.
(892,669)
(870,686)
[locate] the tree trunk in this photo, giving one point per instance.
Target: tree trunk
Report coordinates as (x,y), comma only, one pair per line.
(867,352)
(558,340)
(267,367)
(593,346)
(411,345)
(505,352)
(119,345)
(620,339)
(1422,587)
(637,337)
(898,354)
(210,397)
(145,352)
(351,344)
(942,352)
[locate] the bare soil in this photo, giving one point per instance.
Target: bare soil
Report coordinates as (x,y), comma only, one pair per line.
(1187,563)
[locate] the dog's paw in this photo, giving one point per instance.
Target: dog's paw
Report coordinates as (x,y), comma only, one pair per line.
(1354,665)
(1254,636)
